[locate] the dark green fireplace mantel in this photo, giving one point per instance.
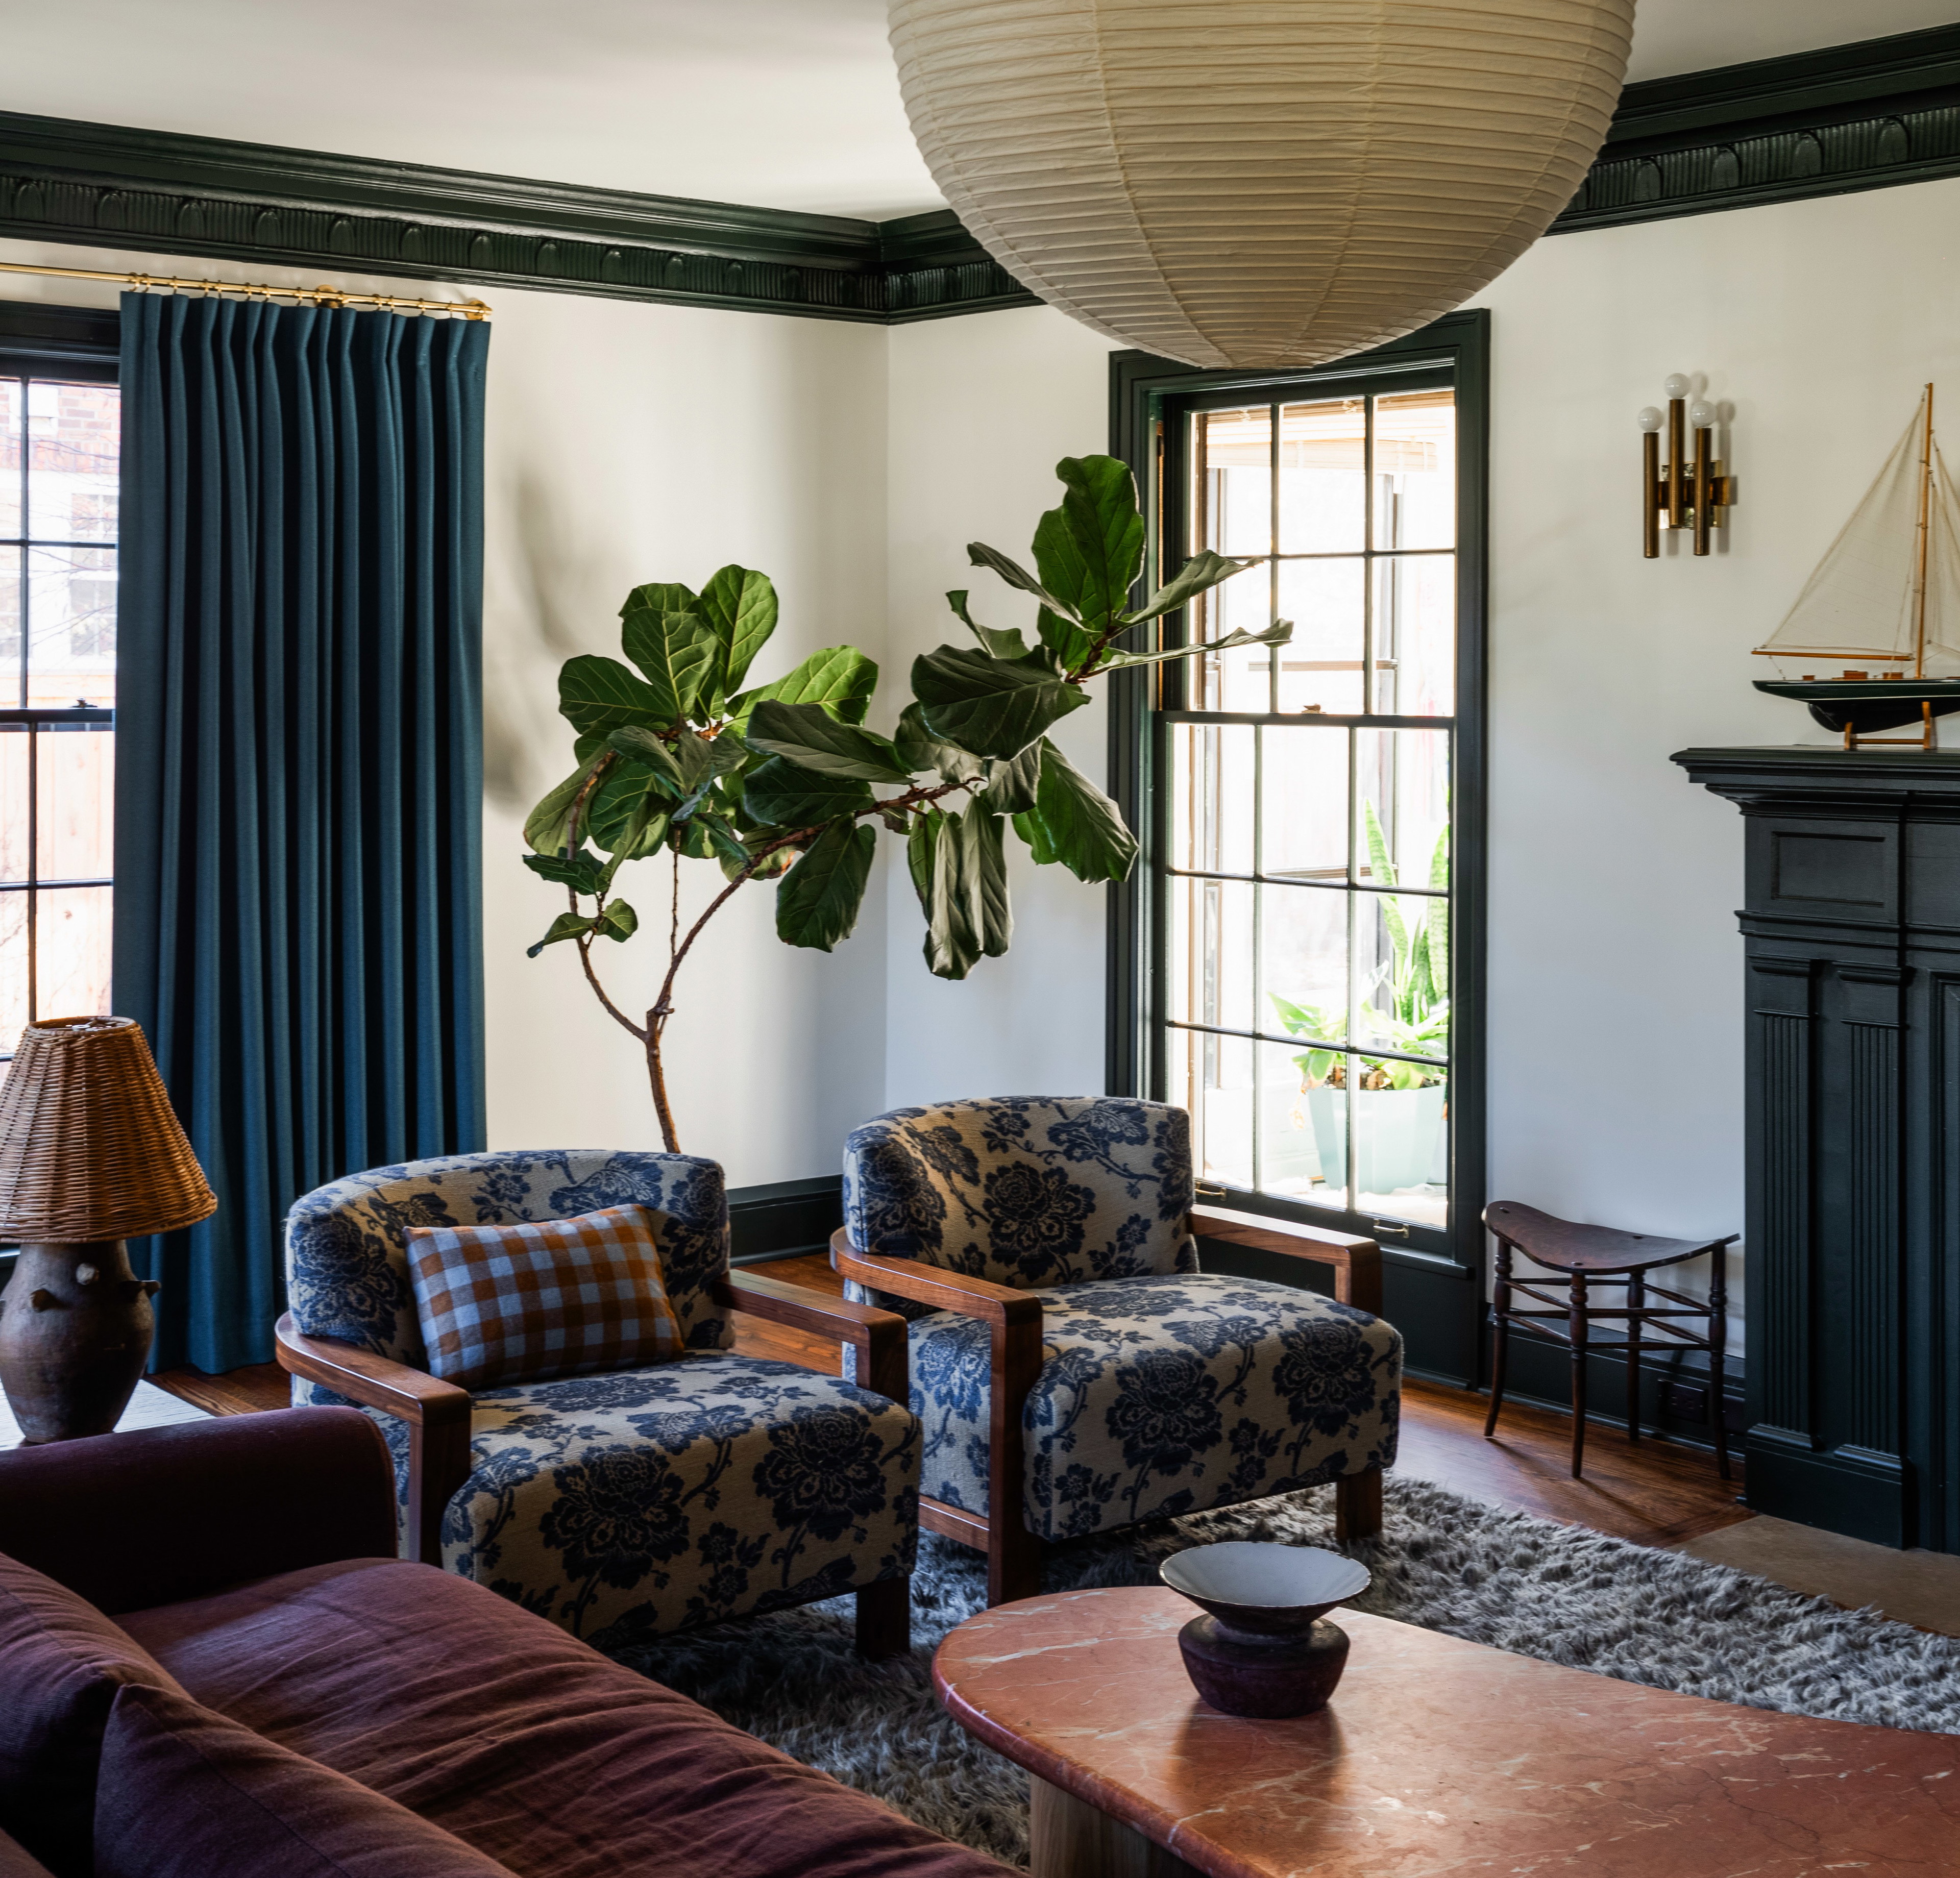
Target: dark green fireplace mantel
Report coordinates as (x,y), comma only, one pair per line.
(1851,928)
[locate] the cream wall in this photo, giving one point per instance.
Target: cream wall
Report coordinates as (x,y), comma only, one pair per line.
(628,443)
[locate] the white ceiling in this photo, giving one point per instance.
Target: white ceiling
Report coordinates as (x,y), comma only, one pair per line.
(788,103)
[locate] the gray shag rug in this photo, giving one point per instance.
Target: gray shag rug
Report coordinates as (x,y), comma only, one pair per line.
(1530,1586)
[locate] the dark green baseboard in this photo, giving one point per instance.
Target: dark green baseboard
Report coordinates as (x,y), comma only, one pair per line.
(1845,1490)
(786,1219)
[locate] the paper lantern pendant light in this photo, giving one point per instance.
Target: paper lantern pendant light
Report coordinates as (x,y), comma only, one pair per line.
(1259,183)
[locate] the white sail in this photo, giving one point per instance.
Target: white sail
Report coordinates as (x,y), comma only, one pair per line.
(1942,574)
(1860,601)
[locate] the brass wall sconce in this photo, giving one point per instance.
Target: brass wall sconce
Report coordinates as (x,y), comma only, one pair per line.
(1690,495)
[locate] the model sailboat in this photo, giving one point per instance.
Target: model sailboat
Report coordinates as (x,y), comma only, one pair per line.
(1886,599)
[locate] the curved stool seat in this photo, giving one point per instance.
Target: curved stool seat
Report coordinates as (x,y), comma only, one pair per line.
(1583,1253)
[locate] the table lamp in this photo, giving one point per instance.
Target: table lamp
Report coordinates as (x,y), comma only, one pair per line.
(90,1155)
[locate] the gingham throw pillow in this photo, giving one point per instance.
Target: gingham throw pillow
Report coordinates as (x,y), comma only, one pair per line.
(543,1297)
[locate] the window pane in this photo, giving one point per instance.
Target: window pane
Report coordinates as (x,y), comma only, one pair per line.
(1323,486)
(1401,1147)
(12,593)
(78,771)
(1211,798)
(72,442)
(1415,470)
(1239,680)
(71,951)
(1415,636)
(15,744)
(1211,1078)
(13,970)
(1304,778)
(72,619)
(1303,1125)
(1208,976)
(1402,817)
(1235,481)
(1321,665)
(1303,962)
(12,413)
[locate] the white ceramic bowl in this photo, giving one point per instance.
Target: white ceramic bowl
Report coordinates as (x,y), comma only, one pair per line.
(1274,1589)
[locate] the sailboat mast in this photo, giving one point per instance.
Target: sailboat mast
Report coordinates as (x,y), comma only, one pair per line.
(1919,576)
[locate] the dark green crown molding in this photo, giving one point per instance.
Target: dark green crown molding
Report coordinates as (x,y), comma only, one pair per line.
(1865,116)
(1849,117)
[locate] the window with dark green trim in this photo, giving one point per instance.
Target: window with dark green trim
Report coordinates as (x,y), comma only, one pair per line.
(1298,961)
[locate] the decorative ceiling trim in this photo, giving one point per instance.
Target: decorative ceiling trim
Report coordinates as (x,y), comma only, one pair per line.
(1868,116)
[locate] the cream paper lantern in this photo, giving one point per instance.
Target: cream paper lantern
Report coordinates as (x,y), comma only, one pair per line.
(1259,183)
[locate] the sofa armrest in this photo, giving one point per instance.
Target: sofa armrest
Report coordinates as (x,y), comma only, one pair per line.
(157,1515)
(1356,1262)
(878,1336)
(437,1413)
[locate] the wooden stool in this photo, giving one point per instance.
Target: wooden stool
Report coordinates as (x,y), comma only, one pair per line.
(1587,1253)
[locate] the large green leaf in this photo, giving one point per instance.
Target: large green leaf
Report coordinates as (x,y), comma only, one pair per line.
(991,706)
(1277,634)
(566,926)
(839,678)
(740,605)
(1074,823)
(959,871)
(1011,783)
(1070,644)
(790,797)
(618,811)
(599,694)
(997,641)
(1089,550)
(817,902)
(584,873)
(546,826)
(681,654)
(980,555)
(1197,574)
(919,749)
(618,922)
(811,738)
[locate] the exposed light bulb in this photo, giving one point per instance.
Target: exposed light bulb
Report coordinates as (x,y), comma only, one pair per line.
(1701,413)
(1652,418)
(1676,385)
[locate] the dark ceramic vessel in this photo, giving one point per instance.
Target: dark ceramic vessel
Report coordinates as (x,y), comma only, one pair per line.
(1263,1649)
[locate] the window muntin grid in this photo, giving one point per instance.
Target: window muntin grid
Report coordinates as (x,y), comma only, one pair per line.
(59,449)
(1269,880)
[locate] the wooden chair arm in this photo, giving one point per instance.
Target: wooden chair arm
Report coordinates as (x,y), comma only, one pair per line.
(933,1284)
(437,1413)
(1356,1262)
(878,1336)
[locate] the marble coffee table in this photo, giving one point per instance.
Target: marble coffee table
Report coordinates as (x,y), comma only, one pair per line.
(1435,1758)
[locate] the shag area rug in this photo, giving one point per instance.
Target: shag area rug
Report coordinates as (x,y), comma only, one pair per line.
(1558,1592)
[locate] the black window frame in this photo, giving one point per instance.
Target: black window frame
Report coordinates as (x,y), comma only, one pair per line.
(71,345)
(1432,1294)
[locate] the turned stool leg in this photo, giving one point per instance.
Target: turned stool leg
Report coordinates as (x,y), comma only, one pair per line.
(1718,1345)
(1500,1306)
(1637,1298)
(1577,1320)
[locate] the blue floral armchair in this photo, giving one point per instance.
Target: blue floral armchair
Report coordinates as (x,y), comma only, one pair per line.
(629,1504)
(1074,1368)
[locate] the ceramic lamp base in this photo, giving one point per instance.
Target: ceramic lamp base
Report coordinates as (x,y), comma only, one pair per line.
(75,1325)
(1239,1673)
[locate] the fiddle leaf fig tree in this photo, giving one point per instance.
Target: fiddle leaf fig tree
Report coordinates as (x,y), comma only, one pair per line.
(676,753)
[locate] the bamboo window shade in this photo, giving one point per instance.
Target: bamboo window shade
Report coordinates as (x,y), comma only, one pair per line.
(90,1146)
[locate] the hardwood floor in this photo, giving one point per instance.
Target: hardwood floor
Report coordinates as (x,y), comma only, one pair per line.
(1656,1493)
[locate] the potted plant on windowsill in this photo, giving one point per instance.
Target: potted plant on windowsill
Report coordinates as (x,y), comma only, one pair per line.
(1400,1107)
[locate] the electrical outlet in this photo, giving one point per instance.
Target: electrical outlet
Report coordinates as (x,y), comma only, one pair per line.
(1683,1402)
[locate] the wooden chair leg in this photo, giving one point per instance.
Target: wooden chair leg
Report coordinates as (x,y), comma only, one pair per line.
(1013,1559)
(1500,1306)
(1357,1507)
(1578,1321)
(1718,1344)
(884,1619)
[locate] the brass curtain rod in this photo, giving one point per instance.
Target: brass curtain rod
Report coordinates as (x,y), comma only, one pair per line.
(300,296)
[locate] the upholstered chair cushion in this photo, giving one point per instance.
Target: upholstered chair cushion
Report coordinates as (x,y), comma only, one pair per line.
(62,1663)
(347,1272)
(187,1793)
(1026,1191)
(1163,1395)
(625,1506)
(542,1298)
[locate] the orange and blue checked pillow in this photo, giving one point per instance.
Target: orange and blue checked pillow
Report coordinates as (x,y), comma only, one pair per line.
(544,1298)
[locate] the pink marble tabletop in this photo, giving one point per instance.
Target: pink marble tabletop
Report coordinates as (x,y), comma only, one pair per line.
(1437,1757)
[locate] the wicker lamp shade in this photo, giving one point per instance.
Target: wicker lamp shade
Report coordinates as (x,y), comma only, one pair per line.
(1259,183)
(90,1146)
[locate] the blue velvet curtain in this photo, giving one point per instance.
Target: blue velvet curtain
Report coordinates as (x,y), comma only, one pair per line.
(299,765)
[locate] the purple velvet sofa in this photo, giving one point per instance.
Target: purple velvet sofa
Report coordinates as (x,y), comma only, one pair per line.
(211,1663)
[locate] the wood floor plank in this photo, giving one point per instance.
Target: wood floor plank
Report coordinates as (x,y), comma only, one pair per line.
(1658,1493)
